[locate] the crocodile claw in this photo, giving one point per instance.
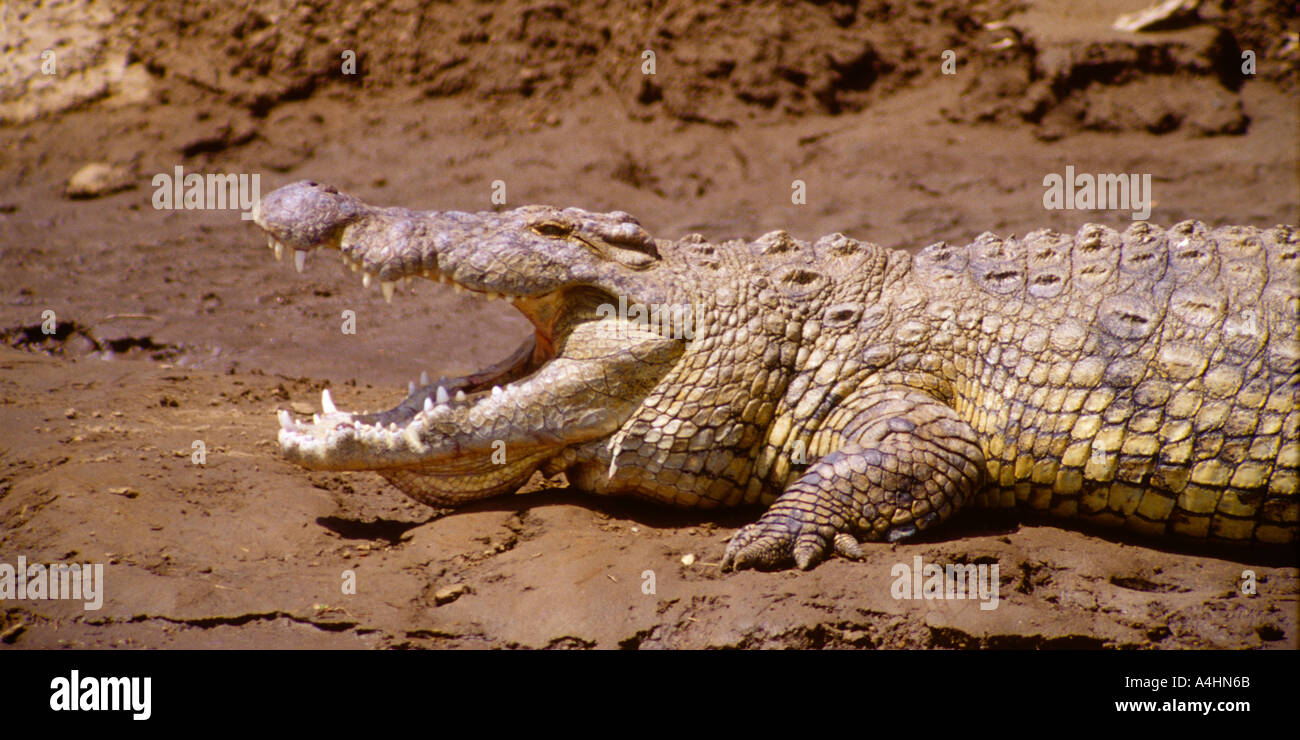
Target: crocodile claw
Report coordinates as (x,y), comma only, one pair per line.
(779,538)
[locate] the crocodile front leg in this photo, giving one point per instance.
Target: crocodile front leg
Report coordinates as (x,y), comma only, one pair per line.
(905,463)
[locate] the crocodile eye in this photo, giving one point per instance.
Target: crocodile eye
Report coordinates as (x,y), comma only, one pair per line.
(550,228)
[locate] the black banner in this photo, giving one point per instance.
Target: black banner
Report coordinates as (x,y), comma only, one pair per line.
(326,690)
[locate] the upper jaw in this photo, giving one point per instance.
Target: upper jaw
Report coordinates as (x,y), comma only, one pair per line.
(384,244)
(352,243)
(497,254)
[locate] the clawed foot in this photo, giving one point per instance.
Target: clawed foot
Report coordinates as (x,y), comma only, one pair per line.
(778,538)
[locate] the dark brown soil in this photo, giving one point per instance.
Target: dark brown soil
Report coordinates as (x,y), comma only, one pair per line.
(177,326)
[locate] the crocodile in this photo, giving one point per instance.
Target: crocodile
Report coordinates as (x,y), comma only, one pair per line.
(1146,379)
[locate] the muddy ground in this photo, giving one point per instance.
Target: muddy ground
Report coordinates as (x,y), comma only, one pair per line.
(177,326)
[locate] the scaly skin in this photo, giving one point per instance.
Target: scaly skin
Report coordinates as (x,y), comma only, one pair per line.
(1147,379)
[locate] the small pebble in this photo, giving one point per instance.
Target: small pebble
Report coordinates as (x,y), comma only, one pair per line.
(448,594)
(96,179)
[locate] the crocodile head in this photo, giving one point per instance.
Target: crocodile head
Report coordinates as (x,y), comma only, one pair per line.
(579,277)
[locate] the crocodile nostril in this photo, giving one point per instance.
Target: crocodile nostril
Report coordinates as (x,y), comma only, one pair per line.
(312,184)
(331,190)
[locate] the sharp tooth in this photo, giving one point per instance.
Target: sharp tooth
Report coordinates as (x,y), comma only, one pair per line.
(345,259)
(406,282)
(442,394)
(279,251)
(299,259)
(497,392)
(356,265)
(424,377)
(365,280)
(509,298)
(428,404)
(460,395)
(493,296)
(315,418)
(458,289)
(286,421)
(327,403)
(410,388)
(270,241)
(412,436)
(387,286)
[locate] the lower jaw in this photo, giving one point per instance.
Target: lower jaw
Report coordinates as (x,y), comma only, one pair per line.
(524,361)
(453,488)
(543,312)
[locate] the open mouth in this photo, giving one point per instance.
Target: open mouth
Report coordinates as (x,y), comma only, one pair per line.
(447,399)
(583,373)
